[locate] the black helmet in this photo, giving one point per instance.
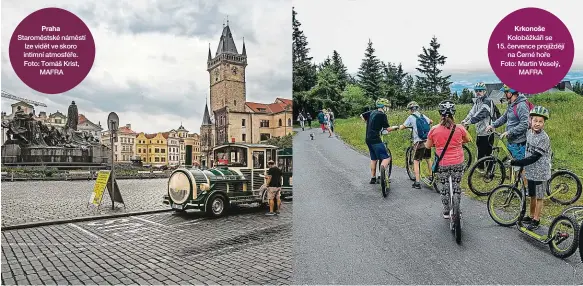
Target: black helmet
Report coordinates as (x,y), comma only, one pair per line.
(447,107)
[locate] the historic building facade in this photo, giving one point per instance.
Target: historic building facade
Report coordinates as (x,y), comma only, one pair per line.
(230,117)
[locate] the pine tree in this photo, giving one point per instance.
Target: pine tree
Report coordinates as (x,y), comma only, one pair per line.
(327,63)
(369,74)
(340,69)
(304,71)
(408,87)
(434,85)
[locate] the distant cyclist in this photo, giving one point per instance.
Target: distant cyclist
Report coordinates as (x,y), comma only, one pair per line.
(481,114)
(451,163)
(376,121)
(417,121)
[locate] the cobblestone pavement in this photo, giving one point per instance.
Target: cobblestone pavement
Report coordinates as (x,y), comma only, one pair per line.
(35,201)
(245,247)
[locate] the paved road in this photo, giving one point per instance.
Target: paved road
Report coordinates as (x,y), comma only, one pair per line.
(244,248)
(35,201)
(346,233)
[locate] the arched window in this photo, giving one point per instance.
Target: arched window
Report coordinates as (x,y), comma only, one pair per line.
(280,122)
(289,122)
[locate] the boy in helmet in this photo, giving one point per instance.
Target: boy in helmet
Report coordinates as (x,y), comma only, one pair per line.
(537,164)
(481,114)
(419,137)
(376,121)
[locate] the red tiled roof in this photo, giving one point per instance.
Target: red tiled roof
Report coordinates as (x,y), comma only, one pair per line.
(165,135)
(276,107)
(256,106)
(286,101)
(126,130)
(150,136)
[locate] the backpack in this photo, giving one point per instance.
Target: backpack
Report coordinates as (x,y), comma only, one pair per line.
(529,105)
(494,111)
(422,127)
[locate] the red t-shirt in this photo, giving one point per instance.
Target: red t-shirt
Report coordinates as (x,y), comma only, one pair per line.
(455,153)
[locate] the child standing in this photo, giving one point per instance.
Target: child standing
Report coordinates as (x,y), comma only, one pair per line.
(537,163)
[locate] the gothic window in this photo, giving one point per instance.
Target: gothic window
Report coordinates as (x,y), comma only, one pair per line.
(289,122)
(280,122)
(235,102)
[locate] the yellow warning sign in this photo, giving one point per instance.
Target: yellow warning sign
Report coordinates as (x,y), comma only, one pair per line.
(99,188)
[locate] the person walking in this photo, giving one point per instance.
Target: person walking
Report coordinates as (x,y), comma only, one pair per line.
(328,120)
(309,118)
(332,119)
(301,119)
(322,120)
(274,177)
(481,114)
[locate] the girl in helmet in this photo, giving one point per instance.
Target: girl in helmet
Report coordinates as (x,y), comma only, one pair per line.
(537,164)
(376,121)
(451,163)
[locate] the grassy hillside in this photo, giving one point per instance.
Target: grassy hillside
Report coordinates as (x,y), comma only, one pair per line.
(564,129)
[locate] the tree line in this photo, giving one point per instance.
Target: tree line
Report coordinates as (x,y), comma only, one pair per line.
(329,85)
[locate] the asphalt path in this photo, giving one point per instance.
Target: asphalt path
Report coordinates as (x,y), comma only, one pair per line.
(345,232)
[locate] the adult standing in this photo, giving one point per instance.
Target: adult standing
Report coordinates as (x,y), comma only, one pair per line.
(309,118)
(481,115)
(516,122)
(301,119)
(322,120)
(332,119)
(274,176)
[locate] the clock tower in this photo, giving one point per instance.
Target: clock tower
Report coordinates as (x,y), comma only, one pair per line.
(227,74)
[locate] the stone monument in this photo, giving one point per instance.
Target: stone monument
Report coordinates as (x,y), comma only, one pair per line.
(32,142)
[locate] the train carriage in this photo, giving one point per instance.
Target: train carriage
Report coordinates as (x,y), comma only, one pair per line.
(236,178)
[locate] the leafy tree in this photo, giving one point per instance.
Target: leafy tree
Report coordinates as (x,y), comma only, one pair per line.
(327,93)
(435,86)
(281,142)
(354,97)
(369,74)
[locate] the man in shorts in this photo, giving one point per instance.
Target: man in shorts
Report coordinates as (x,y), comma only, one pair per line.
(420,152)
(376,121)
(273,187)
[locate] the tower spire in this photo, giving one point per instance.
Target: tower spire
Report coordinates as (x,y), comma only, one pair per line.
(210,57)
(244,50)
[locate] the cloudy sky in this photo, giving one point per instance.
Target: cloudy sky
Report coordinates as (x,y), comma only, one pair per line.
(399,29)
(150,63)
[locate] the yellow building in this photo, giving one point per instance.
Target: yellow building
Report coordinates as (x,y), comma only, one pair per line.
(152,148)
(142,146)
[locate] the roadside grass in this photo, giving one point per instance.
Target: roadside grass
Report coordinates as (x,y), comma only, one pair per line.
(563,128)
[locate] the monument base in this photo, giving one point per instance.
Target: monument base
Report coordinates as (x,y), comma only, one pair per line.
(13,154)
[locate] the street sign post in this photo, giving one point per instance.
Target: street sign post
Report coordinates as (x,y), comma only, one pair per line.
(113,125)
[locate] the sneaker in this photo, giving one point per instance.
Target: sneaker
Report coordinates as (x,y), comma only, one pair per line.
(416,185)
(446,214)
(270,214)
(527,219)
(533,225)
(276,212)
(373,180)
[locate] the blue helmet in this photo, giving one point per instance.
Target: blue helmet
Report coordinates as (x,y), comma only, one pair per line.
(506,88)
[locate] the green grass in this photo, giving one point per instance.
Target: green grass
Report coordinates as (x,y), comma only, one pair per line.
(564,129)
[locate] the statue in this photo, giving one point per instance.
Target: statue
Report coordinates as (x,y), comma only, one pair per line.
(72,116)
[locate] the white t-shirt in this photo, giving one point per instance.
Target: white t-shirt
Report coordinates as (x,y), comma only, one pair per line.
(411,121)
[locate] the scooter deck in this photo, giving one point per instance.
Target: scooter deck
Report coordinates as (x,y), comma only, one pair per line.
(536,234)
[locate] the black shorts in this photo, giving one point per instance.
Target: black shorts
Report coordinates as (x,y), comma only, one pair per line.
(537,189)
(420,152)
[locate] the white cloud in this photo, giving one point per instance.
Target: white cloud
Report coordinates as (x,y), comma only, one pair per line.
(150,63)
(399,29)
